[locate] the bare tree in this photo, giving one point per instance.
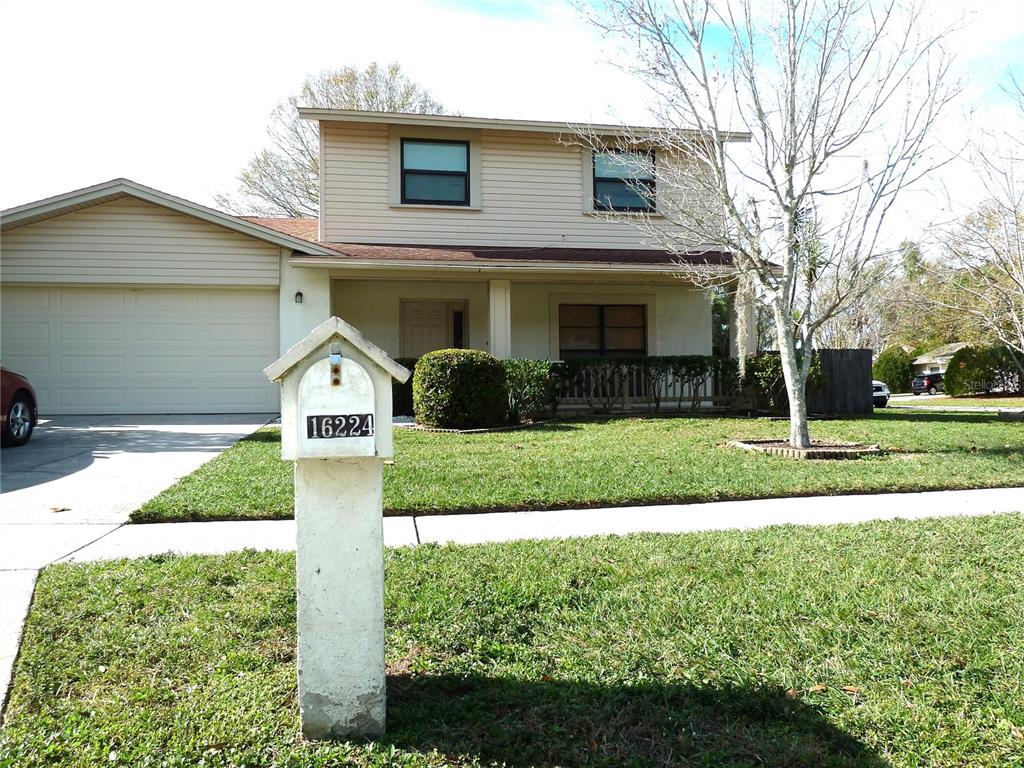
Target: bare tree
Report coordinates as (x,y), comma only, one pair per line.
(983,262)
(838,98)
(283,179)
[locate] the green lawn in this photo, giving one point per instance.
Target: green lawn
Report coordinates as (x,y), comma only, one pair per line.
(988,402)
(618,461)
(886,644)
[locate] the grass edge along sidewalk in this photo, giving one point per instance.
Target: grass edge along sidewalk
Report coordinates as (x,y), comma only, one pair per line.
(882,644)
(616,462)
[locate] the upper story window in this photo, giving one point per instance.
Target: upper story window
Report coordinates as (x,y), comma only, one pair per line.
(435,172)
(624,181)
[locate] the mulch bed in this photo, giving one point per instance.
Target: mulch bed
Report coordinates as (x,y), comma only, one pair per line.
(820,449)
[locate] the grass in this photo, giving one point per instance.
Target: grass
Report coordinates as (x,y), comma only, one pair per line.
(618,461)
(885,644)
(993,401)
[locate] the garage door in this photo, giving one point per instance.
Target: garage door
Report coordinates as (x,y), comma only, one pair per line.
(142,350)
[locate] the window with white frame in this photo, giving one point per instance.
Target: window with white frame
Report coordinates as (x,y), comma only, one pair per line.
(624,181)
(435,172)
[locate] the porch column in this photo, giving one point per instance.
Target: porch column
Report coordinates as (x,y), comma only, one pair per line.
(500,326)
(297,318)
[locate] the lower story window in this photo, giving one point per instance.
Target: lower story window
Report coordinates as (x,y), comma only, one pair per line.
(598,330)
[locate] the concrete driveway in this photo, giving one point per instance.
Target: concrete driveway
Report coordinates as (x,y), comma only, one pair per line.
(80,476)
(78,479)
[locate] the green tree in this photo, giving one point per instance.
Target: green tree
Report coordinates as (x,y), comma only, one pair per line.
(283,179)
(895,367)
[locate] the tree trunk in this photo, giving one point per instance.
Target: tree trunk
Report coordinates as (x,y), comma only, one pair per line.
(799,433)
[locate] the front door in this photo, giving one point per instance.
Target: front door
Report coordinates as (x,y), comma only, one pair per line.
(430,325)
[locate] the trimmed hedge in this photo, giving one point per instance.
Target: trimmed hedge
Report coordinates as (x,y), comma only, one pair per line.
(895,367)
(981,369)
(460,389)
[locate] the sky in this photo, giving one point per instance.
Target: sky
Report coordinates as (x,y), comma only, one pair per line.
(177,95)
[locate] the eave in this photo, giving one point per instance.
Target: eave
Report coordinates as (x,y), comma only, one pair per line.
(488,123)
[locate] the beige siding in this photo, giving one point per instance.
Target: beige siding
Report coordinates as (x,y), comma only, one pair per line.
(532,194)
(374,307)
(131,241)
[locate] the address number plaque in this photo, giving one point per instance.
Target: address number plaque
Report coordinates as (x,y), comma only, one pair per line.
(344,425)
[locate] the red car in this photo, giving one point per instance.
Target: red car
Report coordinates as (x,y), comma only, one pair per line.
(19,408)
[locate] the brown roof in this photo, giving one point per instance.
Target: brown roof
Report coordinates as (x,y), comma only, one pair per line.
(307,229)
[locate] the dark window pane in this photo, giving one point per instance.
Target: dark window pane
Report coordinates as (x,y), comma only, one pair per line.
(442,188)
(620,196)
(579,315)
(458,329)
(435,156)
(623,165)
(596,329)
(623,339)
(624,316)
(580,338)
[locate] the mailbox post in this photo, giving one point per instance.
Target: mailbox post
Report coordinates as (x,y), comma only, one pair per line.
(336,427)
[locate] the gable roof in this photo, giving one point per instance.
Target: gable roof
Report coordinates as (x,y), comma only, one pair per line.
(115,189)
(940,354)
(334,328)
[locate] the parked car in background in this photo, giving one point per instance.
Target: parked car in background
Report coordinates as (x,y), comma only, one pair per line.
(927,382)
(19,408)
(879,394)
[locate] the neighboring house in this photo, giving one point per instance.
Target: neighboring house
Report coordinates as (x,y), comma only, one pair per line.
(936,360)
(434,232)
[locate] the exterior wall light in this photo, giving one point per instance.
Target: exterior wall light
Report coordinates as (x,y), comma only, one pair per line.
(298,297)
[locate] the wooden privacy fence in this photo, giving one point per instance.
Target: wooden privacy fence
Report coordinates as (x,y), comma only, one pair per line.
(849,389)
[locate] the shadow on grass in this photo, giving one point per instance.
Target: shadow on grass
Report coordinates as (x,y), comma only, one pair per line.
(919,415)
(265,435)
(552,723)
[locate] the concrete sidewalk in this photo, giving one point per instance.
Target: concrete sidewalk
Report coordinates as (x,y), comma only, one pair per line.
(102,542)
(220,537)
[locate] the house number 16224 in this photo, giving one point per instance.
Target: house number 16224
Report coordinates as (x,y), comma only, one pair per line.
(346,425)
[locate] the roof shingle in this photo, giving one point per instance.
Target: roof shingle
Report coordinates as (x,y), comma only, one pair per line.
(308,230)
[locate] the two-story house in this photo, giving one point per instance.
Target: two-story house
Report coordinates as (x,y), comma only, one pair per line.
(434,231)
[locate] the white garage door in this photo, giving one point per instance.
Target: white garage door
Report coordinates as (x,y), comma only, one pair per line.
(142,350)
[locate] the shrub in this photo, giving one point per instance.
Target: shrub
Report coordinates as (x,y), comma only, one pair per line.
(768,383)
(895,367)
(1007,370)
(981,369)
(459,389)
(969,370)
(532,388)
(401,394)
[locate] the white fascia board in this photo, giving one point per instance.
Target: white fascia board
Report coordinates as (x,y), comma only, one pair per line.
(444,266)
(489,123)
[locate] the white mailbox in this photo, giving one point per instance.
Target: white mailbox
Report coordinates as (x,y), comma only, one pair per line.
(336,426)
(335,395)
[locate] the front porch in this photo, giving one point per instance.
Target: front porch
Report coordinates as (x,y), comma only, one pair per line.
(536,316)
